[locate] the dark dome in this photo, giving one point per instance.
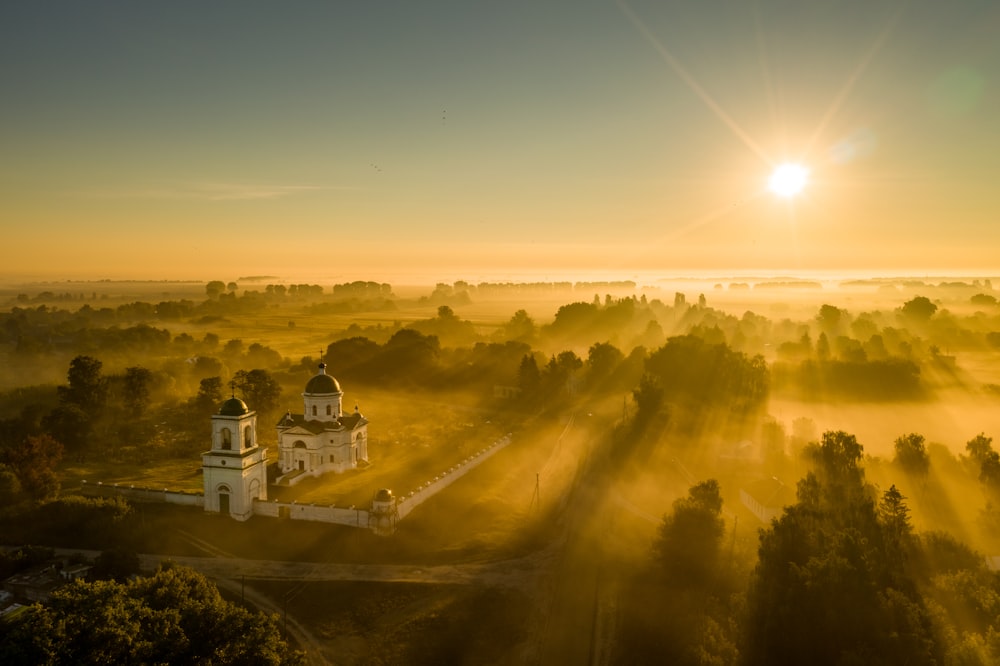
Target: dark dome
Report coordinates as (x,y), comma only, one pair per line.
(323,383)
(234,407)
(383,495)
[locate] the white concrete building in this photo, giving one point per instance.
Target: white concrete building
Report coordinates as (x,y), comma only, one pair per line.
(322,438)
(235,469)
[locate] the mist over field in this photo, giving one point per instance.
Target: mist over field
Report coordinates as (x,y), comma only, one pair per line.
(677,446)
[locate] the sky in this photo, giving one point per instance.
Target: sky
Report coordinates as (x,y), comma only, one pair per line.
(380,140)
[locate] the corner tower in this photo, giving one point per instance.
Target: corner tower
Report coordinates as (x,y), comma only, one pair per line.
(235,469)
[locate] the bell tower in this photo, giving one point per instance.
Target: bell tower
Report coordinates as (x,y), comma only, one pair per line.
(235,469)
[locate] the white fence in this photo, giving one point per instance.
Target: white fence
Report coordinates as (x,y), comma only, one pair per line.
(318,513)
(410,501)
(162,495)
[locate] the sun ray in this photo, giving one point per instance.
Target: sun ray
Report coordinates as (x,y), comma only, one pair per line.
(854,77)
(702,94)
(711,216)
(765,69)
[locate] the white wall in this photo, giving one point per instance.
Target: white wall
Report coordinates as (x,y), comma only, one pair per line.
(162,495)
(318,513)
(412,500)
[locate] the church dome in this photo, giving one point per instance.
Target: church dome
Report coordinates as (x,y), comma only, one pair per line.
(234,407)
(323,383)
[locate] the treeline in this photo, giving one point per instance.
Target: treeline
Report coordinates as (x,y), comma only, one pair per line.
(841,577)
(689,353)
(145,413)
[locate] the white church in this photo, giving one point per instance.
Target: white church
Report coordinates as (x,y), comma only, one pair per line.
(321,439)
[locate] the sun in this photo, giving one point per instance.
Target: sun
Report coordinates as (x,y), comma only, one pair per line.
(788,179)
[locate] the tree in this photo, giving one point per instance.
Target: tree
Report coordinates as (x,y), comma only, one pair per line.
(209,395)
(174,616)
(823,347)
(979,447)
(10,486)
(136,397)
(839,455)
(772,442)
(702,374)
(521,328)
(210,341)
(829,318)
(680,610)
(648,396)
(408,354)
(260,390)
(603,358)
(919,308)
(911,454)
(528,374)
(561,370)
(350,353)
(989,471)
(895,516)
(71,426)
(829,587)
(215,288)
(233,348)
(34,463)
(87,388)
(262,356)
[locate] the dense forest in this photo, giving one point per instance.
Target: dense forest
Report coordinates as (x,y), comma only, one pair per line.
(841,575)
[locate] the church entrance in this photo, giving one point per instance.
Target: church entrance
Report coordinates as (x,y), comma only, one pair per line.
(302,465)
(224,503)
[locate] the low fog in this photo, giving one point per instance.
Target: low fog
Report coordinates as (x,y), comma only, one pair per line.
(724,471)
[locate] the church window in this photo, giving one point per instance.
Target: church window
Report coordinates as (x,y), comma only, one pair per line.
(314,410)
(329,410)
(227,439)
